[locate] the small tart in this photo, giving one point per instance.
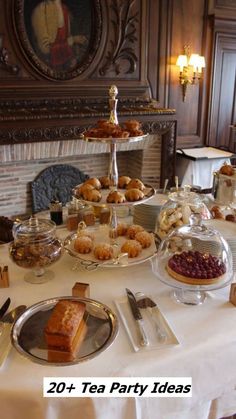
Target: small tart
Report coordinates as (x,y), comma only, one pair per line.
(123,181)
(115,197)
(95,182)
(196,268)
(132,247)
(103,251)
(144,238)
(136,183)
(133,230)
(83,244)
(134,195)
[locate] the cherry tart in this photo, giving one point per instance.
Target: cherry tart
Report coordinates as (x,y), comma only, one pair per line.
(196,268)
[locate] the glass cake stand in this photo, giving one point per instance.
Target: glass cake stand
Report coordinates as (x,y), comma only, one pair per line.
(194,239)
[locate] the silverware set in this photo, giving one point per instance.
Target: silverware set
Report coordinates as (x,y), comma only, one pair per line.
(139,302)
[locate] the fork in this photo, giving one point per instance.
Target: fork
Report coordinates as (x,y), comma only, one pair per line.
(147,303)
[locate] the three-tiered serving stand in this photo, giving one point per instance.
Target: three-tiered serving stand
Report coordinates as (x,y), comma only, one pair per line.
(113,169)
(113,178)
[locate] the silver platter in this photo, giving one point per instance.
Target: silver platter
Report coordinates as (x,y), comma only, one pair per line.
(113,140)
(120,260)
(149,192)
(28,332)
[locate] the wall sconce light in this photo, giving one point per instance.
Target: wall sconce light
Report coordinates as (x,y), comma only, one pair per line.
(190,67)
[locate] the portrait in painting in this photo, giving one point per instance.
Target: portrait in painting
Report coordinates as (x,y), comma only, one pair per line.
(59,31)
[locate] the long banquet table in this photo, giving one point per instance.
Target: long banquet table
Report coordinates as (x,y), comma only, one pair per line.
(207,351)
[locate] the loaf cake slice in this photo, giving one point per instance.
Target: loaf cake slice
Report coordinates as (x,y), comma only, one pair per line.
(63,326)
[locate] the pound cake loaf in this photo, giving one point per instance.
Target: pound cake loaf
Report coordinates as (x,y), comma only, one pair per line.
(62,328)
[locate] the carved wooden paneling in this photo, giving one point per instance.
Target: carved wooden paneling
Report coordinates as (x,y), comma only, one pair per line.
(39,103)
(187,28)
(223,87)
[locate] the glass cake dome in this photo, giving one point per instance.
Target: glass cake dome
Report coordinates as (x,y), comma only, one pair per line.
(181,205)
(193,259)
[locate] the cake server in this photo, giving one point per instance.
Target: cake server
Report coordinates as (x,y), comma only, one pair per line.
(4,307)
(138,317)
(147,303)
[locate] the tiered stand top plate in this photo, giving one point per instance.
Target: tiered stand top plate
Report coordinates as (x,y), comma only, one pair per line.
(114,140)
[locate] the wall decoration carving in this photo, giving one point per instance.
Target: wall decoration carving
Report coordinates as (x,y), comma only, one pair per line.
(4,62)
(124,19)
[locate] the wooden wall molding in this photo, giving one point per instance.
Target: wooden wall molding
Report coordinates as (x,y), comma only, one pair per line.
(223,83)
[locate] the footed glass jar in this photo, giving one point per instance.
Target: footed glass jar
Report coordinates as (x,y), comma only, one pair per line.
(193,259)
(178,210)
(35,247)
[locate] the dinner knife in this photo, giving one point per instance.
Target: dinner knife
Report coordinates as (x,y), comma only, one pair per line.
(4,307)
(137,316)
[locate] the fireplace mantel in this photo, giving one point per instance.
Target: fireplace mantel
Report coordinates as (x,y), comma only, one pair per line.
(157,121)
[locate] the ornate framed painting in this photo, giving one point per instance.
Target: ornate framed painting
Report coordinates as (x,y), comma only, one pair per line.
(59,37)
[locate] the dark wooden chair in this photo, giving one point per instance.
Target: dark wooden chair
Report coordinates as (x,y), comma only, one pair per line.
(55,183)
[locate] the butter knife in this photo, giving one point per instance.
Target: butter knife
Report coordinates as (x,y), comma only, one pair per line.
(6,324)
(4,307)
(138,317)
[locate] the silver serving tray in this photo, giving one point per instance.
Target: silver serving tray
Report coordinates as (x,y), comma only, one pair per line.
(120,260)
(28,332)
(114,140)
(149,192)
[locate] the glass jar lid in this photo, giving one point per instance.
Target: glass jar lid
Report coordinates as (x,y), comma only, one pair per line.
(35,229)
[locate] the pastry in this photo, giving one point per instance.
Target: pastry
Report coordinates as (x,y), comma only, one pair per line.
(133,230)
(103,251)
(230,217)
(105,182)
(144,238)
(132,124)
(95,182)
(135,183)
(227,169)
(83,244)
(92,195)
(132,247)
(196,268)
(84,187)
(123,181)
(62,326)
(115,197)
(134,195)
(216,213)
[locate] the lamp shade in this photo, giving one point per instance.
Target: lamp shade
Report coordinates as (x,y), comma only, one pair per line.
(201,63)
(194,60)
(182,61)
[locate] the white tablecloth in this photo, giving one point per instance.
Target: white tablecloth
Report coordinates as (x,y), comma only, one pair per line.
(198,172)
(207,351)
